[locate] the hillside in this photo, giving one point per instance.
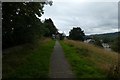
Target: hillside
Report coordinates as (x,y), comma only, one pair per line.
(89,61)
(107,34)
(109,37)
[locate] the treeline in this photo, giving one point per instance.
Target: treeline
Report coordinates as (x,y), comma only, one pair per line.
(107,37)
(113,39)
(21,24)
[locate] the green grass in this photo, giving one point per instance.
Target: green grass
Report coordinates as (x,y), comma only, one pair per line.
(84,61)
(29,62)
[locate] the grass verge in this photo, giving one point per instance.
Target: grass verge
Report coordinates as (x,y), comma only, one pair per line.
(29,62)
(88,61)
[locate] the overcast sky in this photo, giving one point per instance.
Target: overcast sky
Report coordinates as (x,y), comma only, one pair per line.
(93,17)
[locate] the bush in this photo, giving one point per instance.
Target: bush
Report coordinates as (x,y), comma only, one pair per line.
(116,44)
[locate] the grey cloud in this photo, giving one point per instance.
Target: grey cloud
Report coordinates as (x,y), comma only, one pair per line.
(92,17)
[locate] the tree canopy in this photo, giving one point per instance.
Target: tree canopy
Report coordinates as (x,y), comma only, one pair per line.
(115,45)
(50,27)
(21,24)
(77,34)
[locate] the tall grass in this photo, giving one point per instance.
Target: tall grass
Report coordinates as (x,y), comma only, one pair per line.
(32,61)
(88,60)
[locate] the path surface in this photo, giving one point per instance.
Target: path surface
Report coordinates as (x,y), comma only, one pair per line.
(59,66)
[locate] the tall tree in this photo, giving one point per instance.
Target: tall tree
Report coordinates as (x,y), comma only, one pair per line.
(50,27)
(77,34)
(19,21)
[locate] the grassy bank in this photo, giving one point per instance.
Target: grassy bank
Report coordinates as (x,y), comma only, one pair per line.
(88,61)
(31,61)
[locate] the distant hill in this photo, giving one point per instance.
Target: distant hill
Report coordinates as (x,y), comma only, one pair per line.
(109,37)
(115,34)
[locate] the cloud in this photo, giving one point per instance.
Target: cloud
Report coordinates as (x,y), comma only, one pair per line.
(92,17)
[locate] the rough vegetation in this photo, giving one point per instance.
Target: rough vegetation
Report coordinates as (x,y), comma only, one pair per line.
(29,61)
(115,45)
(88,61)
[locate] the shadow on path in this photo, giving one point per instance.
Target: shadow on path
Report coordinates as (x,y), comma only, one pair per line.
(59,66)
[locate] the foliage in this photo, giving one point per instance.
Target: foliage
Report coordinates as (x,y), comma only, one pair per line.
(116,44)
(111,38)
(21,24)
(106,40)
(107,37)
(50,27)
(76,34)
(97,42)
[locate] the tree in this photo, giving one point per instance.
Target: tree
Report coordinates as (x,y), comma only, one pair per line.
(97,41)
(20,23)
(77,34)
(49,27)
(115,45)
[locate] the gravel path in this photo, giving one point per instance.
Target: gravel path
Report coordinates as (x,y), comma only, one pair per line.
(59,66)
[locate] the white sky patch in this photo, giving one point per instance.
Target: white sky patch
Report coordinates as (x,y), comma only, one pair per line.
(92,17)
